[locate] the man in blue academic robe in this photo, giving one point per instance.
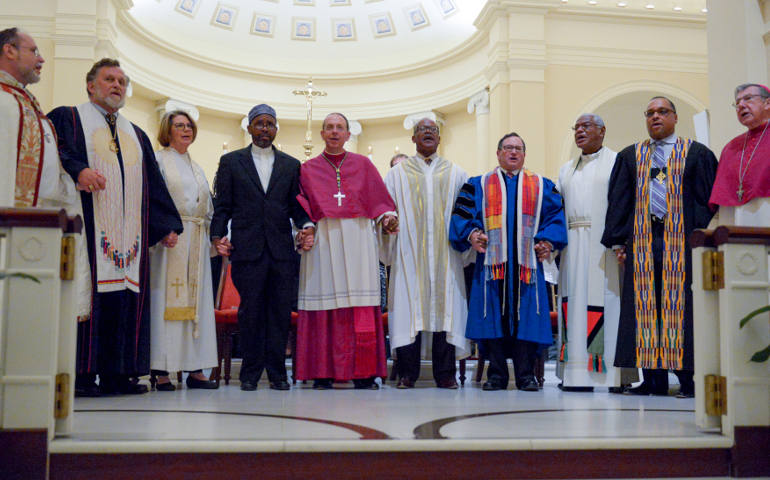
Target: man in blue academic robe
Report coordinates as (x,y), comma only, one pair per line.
(513,219)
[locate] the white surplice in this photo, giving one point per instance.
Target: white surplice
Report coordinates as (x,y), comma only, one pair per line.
(57,190)
(583,183)
(427,287)
(341,270)
(172,344)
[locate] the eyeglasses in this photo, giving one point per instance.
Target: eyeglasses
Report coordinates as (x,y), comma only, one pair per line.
(584,126)
(427,128)
(744,99)
(183,126)
(661,111)
(35,51)
(264,125)
(512,148)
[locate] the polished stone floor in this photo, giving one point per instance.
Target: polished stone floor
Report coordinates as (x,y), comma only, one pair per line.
(389,418)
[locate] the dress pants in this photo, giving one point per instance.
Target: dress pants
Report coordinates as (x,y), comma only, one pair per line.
(264,315)
(522,352)
(656,380)
(444,366)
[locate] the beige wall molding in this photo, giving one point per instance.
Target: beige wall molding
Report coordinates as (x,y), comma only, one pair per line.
(608,94)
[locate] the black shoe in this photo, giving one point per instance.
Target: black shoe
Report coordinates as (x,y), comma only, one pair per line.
(248,386)
(529,386)
(165,387)
(617,390)
(131,389)
(686,392)
(365,384)
(645,389)
(404,383)
(280,385)
(193,382)
(490,386)
(88,391)
(322,384)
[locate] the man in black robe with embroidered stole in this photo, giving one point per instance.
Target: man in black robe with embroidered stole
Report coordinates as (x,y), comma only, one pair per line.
(127,209)
(658,194)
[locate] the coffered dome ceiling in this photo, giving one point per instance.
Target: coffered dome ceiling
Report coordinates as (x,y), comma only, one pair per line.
(324,36)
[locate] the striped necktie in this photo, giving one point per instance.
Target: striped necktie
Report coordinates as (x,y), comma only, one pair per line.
(658,187)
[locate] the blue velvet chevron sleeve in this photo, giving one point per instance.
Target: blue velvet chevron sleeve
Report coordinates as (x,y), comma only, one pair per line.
(466,215)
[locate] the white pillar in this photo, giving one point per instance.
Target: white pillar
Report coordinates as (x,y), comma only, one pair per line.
(355,130)
(480,104)
(737,54)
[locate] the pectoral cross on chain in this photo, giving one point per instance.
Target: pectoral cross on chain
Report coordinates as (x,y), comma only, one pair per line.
(177,285)
(339,196)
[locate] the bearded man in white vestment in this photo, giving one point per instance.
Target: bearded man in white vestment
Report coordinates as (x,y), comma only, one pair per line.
(427,287)
(589,284)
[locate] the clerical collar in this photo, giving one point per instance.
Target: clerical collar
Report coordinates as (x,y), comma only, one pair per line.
(758,129)
(591,156)
(334,157)
(6,77)
(176,151)
(257,150)
(668,140)
(427,160)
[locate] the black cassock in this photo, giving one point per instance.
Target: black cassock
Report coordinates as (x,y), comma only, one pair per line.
(698,177)
(116,338)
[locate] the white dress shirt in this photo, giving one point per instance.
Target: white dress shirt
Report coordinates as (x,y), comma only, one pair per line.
(263,160)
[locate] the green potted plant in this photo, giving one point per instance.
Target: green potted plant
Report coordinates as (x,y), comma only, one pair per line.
(764,354)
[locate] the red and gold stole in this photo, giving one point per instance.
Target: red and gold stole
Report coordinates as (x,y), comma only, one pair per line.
(660,346)
(29,145)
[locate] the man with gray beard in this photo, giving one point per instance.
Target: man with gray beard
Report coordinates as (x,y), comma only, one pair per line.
(126,210)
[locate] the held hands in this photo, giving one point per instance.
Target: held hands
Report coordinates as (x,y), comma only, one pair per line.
(479,241)
(90,180)
(543,250)
(306,238)
(390,224)
(223,246)
(620,254)
(170,240)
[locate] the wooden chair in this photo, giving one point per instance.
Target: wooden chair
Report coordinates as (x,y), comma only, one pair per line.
(226,315)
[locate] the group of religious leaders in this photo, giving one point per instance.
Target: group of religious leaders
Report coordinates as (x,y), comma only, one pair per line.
(142,308)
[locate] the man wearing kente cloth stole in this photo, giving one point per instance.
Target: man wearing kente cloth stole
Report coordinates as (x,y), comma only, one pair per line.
(589,284)
(339,331)
(126,209)
(659,191)
(33,172)
(513,218)
(742,187)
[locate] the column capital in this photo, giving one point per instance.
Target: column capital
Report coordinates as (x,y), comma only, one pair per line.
(479,102)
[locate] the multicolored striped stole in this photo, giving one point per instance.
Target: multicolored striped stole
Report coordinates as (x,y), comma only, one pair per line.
(528,216)
(29,145)
(495,202)
(660,344)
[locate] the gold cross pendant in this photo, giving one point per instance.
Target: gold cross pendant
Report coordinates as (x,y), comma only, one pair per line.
(661,176)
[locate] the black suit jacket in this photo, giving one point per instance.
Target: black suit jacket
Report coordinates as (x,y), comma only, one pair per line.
(260,219)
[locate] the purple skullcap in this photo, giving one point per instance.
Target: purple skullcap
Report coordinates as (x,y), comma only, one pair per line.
(260,109)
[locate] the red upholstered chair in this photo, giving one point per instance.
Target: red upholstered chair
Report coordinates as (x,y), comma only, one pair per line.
(226,315)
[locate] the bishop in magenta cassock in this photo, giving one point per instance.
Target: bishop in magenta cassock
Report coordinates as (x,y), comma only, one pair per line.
(339,331)
(742,186)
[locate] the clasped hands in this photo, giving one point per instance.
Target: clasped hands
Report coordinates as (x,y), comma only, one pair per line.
(170,240)
(479,242)
(305,238)
(90,180)
(389,224)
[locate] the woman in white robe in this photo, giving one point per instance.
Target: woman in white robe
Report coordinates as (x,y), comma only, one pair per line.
(183,330)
